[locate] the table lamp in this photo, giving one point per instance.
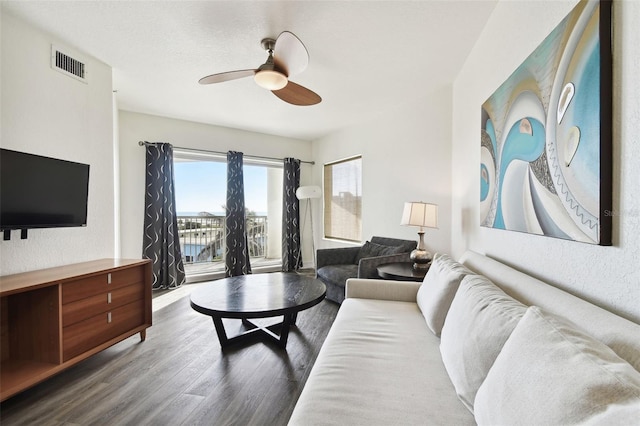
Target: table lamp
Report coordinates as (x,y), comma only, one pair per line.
(417,213)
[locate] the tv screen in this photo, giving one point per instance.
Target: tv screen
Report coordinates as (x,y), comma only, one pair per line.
(41,192)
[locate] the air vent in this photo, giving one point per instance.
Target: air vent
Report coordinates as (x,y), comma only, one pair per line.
(68,65)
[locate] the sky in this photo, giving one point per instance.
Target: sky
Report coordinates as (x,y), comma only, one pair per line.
(202,186)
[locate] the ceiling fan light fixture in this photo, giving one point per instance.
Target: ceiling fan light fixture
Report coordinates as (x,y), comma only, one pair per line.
(271,79)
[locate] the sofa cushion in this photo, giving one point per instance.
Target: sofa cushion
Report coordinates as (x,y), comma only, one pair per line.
(480,320)
(438,288)
(379,366)
(335,277)
(370,249)
(338,274)
(549,372)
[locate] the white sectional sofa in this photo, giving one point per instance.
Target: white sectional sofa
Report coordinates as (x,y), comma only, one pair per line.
(480,343)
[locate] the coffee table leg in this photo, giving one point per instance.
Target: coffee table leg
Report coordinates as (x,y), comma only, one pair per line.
(248,324)
(284,331)
(222,335)
(253,329)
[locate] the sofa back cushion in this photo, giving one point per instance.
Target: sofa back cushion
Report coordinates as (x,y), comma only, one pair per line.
(618,333)
(370,249)
(549,372)
(406,245)
(480,320)
(438,288)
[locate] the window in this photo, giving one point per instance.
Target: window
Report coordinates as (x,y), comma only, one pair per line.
(343,199)
(200,189)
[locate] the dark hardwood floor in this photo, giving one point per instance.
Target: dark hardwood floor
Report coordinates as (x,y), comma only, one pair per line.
(179,375)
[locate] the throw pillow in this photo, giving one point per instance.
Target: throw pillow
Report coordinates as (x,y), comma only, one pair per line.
(480,320)
(549,372)
(370,249)
(438,288)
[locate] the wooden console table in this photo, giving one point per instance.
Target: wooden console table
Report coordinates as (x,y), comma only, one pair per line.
(51,319)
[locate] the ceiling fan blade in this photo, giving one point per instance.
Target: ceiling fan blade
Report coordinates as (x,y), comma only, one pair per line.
(297,95)
(289,54)
(226,76)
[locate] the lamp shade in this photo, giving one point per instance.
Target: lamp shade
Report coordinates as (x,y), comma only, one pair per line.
(417,213)
(305,192)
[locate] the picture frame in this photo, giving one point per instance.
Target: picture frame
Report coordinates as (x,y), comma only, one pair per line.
(546,135)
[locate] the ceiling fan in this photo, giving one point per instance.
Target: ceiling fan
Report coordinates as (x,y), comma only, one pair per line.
(287,57)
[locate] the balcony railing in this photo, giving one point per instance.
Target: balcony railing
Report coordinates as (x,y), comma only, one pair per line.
(202,238)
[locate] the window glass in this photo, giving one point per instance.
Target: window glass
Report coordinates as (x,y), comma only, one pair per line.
(200,189)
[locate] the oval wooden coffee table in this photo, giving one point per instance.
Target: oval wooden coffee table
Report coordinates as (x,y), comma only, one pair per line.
(258,296)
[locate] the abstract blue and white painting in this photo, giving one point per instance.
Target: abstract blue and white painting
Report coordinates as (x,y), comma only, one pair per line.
(541,151)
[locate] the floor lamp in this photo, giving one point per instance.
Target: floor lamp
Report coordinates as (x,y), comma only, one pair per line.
(307,193)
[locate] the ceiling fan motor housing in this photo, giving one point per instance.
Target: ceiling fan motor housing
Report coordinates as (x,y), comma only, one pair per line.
(267,75)
(268,44)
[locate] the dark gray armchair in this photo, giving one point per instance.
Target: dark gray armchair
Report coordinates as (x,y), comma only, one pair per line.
(335,266)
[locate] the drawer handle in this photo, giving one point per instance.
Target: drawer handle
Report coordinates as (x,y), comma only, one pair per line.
(109,278)
(109,317)
(108,297)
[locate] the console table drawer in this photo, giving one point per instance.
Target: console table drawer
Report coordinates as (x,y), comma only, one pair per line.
(86,308)
(87,334)
(91,286)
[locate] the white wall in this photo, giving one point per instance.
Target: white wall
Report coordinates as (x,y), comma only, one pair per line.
(47,113)
(406,156)
(135,127)
(608,276)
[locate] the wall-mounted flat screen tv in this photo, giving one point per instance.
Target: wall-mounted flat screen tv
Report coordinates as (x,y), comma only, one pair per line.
(41,192)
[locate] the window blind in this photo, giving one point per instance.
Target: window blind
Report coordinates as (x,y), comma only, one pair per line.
(343,199)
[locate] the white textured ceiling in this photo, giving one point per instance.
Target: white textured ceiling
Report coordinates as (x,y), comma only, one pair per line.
(366,57)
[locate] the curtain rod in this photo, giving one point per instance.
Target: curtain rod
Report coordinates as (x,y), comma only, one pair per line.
(258,157)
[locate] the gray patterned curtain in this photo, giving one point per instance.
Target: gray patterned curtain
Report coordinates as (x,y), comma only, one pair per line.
(291,250)
(160,241)
(237,251)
